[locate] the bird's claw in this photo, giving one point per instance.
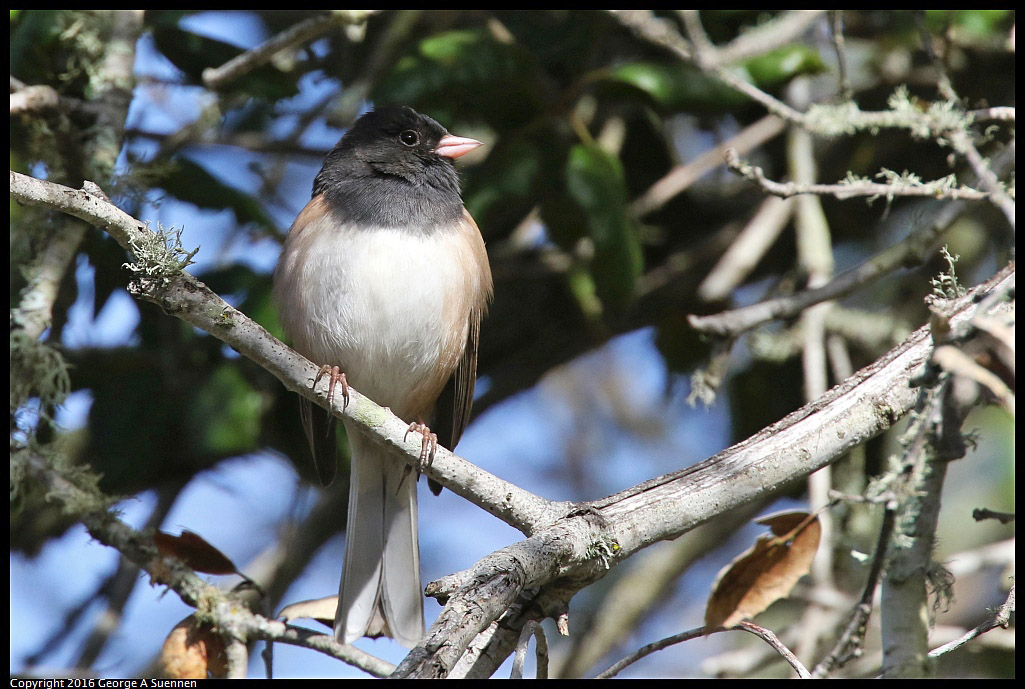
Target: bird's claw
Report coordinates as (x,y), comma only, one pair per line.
(428,445)
(335,377)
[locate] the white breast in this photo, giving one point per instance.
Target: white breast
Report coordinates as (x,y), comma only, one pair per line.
(372,302)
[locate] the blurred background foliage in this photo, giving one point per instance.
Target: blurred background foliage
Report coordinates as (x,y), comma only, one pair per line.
(580,118)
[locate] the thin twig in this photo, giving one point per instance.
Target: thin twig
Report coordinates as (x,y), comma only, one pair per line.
(768,36)
(644,24)
(960,138)
(770,638)
(961,141)
(938,189)
(826,121)
(250,141)
(943,84)
(704,51)
(773,105)
(682,177)
(953,359)
(647,650)
(307,30)
(980,513)
(745,626)
(911,250)
(851,642)
(661,33)
(836,31)
(1000,618)
(531,629)
(815,259)
(747,249)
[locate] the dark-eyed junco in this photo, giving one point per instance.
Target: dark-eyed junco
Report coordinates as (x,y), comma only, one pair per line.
(385,276)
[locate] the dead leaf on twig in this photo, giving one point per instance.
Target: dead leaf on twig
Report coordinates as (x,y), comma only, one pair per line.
(195,552)
(765,572)
(193,650)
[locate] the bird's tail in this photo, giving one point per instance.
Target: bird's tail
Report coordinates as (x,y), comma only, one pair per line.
(380,591)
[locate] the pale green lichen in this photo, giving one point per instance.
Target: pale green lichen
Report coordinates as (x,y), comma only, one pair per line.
(160,256)
(946,285)
(37,371)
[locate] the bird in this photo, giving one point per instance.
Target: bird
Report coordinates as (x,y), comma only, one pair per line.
(383,280)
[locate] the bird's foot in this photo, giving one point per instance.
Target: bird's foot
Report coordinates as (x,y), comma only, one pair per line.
(428,444)
(335,378)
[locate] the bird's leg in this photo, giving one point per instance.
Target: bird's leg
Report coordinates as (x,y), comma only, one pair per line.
(428,444)
(335,377)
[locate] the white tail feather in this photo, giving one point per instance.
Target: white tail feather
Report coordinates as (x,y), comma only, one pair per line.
(380,590)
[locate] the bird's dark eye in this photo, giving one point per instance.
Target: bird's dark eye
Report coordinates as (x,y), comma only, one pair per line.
(409,137)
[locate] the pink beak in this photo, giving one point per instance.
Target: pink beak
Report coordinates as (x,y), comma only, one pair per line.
(454,146)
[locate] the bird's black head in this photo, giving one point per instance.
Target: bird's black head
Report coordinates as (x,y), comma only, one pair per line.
(392,166)
(398,141)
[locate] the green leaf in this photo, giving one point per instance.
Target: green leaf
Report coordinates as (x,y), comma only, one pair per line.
(190,182)
(582,287)
(227,411)
(977,24)
(676,86)
(595,182)
(679,86)
(781,65)
(502,190)
(34,45)
(449,75)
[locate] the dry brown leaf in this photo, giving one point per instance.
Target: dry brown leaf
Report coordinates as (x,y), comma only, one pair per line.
(192,650)
(195,552)
(322,610)
(767,571)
